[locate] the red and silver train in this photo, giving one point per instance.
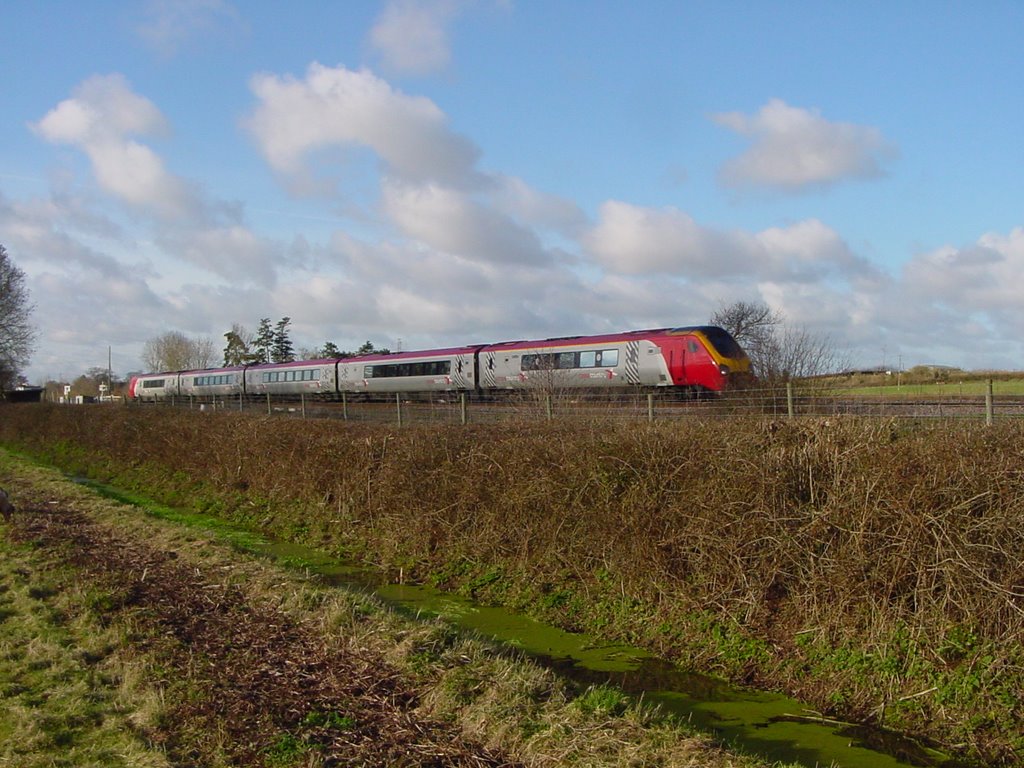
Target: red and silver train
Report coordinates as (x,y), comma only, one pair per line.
(691,360)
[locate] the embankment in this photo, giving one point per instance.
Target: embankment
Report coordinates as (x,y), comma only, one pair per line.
(873,568)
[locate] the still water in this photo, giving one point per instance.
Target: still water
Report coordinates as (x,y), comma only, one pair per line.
(772,726)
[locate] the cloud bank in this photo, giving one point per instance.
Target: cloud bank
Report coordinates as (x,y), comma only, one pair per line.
(796,150)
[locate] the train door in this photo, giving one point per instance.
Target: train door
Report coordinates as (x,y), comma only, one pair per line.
(674,350)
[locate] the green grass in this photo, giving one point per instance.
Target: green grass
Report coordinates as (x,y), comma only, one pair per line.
(66,697)
(944,389)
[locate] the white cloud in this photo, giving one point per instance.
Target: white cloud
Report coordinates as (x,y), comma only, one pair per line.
(797,149)
(450,221)
(984,279)
(534,208)
(633,240)
(412,35)
(36,231)
(630,239)
(340,108)
(170,25)
(99,119)
(233,252)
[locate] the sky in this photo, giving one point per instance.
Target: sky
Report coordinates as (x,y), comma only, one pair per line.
(429,173)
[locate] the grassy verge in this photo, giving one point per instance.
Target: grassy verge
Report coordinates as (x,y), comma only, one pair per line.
(70,690)
(869,567)
(97,583)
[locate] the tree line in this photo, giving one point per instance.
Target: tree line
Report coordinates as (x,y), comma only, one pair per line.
(779,351)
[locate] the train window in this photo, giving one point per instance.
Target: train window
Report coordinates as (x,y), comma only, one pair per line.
(588,359)
(211,381)
(397,370)
(692,346)
(609,358)
(723,342)
(153,384)
(566,360)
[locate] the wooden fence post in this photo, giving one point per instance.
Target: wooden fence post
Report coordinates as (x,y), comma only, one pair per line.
(988,403)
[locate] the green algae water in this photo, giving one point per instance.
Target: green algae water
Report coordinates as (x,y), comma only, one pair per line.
(772,726)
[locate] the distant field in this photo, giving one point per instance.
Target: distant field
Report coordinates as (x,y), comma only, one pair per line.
(969,387)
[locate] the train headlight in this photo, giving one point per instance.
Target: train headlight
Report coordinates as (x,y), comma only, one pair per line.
(723,369)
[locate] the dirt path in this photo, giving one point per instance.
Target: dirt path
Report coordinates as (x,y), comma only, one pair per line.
(259,689)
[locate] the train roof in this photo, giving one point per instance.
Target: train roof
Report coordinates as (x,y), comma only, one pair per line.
(561,341)
(413,354)
(293,363)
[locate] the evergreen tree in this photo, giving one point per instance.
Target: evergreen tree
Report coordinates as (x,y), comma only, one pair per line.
(330,349)
(282,350)
(264,341)
(368,349)
(236,352)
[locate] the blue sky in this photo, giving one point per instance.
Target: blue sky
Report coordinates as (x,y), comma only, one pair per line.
(450,171)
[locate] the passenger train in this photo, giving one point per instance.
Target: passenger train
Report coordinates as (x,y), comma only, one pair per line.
(690,360)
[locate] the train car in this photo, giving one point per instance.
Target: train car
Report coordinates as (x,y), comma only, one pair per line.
(695,359)
(705,358)
(435,370)
(303,377)
(212,382)
(154,386)
(692,359)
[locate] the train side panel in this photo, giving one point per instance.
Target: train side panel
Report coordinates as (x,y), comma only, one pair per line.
(151,387)
(308,377)
(591,364)
(432,371)
(212,382)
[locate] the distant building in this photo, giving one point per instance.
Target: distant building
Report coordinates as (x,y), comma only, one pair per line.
(25,395)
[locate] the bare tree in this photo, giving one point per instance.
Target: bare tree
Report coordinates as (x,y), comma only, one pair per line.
(17,336)
(174,351)
(777,351)
(796,353)
(754,326)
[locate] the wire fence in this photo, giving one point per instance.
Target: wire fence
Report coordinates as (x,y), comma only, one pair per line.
(784,401)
